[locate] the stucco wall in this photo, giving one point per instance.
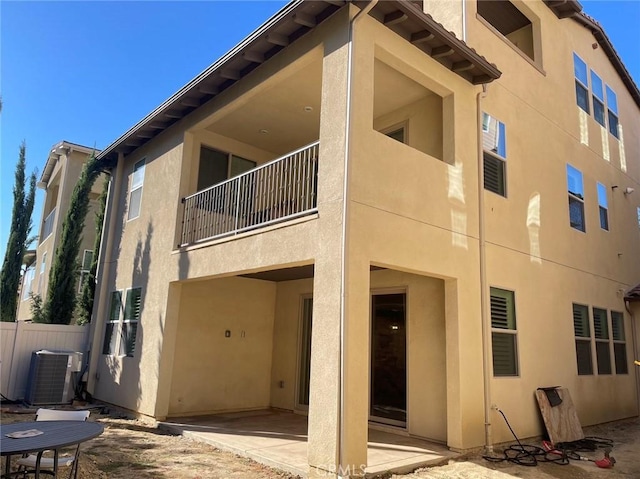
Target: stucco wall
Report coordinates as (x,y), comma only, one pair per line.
(426,365)
(212,372)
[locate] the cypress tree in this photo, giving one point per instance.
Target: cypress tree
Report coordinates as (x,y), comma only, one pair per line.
(85,306)
(17,243)
(61,295)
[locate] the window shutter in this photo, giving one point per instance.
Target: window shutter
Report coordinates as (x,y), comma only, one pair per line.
(502,309)
(504,354)
(583,356)
(600,329)
(603,354)
(581,321)
(116,298)
(620,356)
(494,174)
(132,312)
(617,326)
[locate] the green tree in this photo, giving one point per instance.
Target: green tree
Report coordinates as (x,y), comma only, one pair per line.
(17,243)
(85,305)
(61,298)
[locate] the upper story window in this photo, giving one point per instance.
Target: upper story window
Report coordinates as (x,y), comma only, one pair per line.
(603,206)
(508,20)
(27,284)
(603,98)
(494,144)
(612,111)
(576,198)
(597,90)
(217,166)
(582,82)
(135,195)
(85,268)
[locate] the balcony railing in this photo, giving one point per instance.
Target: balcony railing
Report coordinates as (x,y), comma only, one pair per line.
(280,190)
(47,225)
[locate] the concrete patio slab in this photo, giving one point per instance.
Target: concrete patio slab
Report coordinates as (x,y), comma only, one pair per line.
(279,439)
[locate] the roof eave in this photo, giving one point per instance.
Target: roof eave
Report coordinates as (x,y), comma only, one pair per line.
(296,19)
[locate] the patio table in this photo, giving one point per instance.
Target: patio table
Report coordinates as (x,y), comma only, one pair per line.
(55,435)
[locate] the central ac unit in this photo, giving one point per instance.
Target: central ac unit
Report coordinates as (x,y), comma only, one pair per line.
(52,377)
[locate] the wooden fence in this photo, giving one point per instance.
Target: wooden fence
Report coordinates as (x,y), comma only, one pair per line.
(18,340)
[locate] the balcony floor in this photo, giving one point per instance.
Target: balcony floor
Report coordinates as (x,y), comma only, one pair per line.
(279,439)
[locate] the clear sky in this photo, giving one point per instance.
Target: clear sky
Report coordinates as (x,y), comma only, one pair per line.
(86,71)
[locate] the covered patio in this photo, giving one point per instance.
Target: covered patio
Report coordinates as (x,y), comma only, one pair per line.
(279,439)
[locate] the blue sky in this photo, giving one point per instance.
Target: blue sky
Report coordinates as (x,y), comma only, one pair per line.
(86,71)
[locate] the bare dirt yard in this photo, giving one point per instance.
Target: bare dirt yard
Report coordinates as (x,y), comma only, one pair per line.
(134,448)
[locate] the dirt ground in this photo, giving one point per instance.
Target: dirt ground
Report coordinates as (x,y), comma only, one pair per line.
(133,448)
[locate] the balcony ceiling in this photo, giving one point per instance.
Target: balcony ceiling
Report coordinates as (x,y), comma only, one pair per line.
(280,111)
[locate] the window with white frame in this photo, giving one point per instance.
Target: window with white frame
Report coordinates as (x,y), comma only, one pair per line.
(619,344)
(603,208)
(612,111)
(85,268)
(43,267)
(494,144)
(111,332)
(576,198)
(122,325)
(582,333)
(504,333)
(606,336)
(597,95)
(601,335)
(135,194)
(29,275)
(582,82)
(603,98)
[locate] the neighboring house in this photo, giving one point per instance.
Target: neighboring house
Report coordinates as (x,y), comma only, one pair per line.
(58,179)
(359,217)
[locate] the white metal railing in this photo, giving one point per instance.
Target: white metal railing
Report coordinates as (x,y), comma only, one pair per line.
(47,225)
(282,189)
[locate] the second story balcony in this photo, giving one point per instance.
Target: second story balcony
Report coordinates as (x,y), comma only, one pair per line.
(277,191)
(47,225)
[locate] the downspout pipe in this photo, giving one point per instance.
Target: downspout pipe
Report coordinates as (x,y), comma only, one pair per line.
(92,327)
(102,272)
(343,253)
(484,299)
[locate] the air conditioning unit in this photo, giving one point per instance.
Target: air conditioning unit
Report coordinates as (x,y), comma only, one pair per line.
(52,377)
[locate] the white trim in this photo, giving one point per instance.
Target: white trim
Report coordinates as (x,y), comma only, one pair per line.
(136,188)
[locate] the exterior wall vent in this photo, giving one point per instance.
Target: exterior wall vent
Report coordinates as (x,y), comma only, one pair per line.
(52,377)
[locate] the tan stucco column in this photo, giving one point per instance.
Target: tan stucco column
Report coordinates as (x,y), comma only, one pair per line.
(465,411)
(165,367)
(339,345)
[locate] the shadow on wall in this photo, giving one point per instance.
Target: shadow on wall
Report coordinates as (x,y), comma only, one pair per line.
(124,368)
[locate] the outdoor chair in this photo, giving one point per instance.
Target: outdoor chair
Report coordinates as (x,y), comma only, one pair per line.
(46,463)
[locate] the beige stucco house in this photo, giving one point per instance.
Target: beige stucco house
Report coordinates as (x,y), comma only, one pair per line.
(58,179)
(370,217)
